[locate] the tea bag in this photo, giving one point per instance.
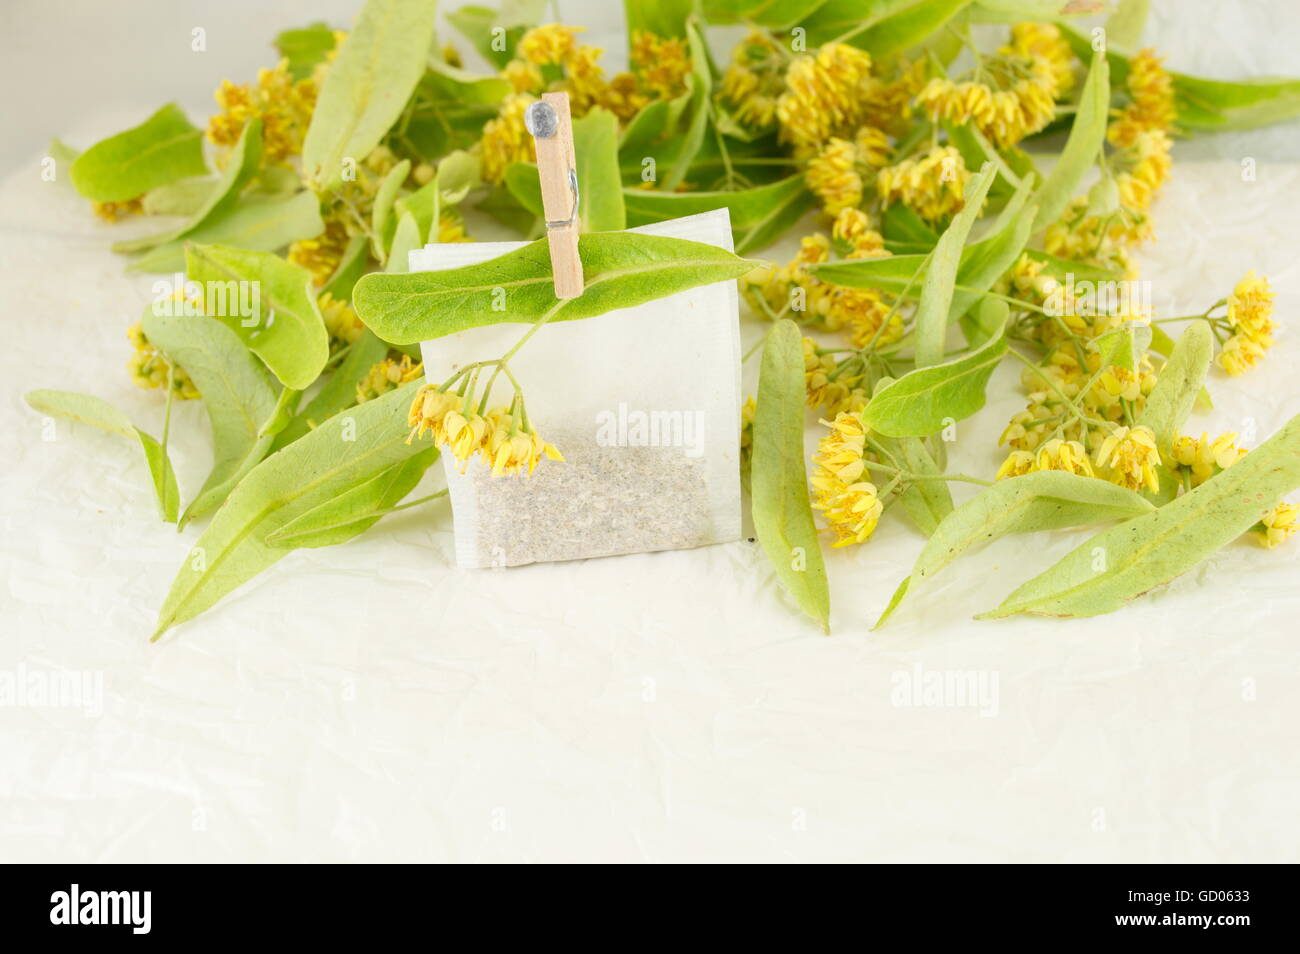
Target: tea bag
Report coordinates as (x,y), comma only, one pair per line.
(643,403)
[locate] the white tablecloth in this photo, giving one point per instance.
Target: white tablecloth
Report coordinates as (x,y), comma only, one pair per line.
(370,701)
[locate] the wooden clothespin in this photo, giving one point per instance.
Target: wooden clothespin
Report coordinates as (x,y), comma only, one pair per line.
(552,129)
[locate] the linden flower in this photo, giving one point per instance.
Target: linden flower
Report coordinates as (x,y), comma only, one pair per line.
(283,104)
(1152,101)
(551,43)
(833,177)
(341,320)
(862,312)
(513,448)
(506,139)
(1043,42)
(1202,458)
(850,226)
(1131,457)
(824,384)
(849,504)
(1068,456)
(1278,525)
(933,185)
(1017,464)
(1005,116)
(752,82)
(387,375)
(826,95)
(321,255)
(149,368)
(1250,307)
(429,411)
(663,64)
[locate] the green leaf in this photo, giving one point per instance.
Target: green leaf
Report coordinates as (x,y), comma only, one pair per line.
(101,414)
(256,224)
(1124,27)
(286,329)
(340,391)
(1081,148)
(405,238)
(475,24)
(305,48)
(758,215)
(380,225)
(783,520)
(1127,561)
(1163,345)
(447,82)
(239,395)
(921,402)
(367,85)
(905,231)
(356,259)
(879,26)
(622,269)
(241,167)
(354,511)
(937,289)
(1044,500)
(341,453)
(777,14)
(182,198)
(165,148)
(1180,382)
(667,18)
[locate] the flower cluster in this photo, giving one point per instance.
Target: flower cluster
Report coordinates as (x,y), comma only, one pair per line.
(826,96)
(844,494)
(933,185)
(387,375)
(283,104)
(1249,320)
(753,81)
(502,436)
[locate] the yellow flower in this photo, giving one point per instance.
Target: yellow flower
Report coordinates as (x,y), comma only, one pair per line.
(523,77)
(1017,464)
(505,139)
(511,447)
(283,104)
(1005,116)
(1203,458)
(451,227)
(1250,310)
(1043,42)
(663,63)
(1278,525)
(149,368)
(387,375)
(464,433)
(824,383)
(429,411)
(1068,456)
(321,255)
(551,43)
(852,230)
(1151,106)
(1130,456)
(752,82)
(833,178)
(341,320)
(826,95)
(932,185)
(849,504)
(862,312)
(623,97)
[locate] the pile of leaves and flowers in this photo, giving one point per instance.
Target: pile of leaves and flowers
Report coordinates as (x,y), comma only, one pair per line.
(914,133)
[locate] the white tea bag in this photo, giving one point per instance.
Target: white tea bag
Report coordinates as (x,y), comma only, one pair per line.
(644,404)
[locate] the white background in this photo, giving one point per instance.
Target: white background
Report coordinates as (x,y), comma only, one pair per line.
(372,702)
